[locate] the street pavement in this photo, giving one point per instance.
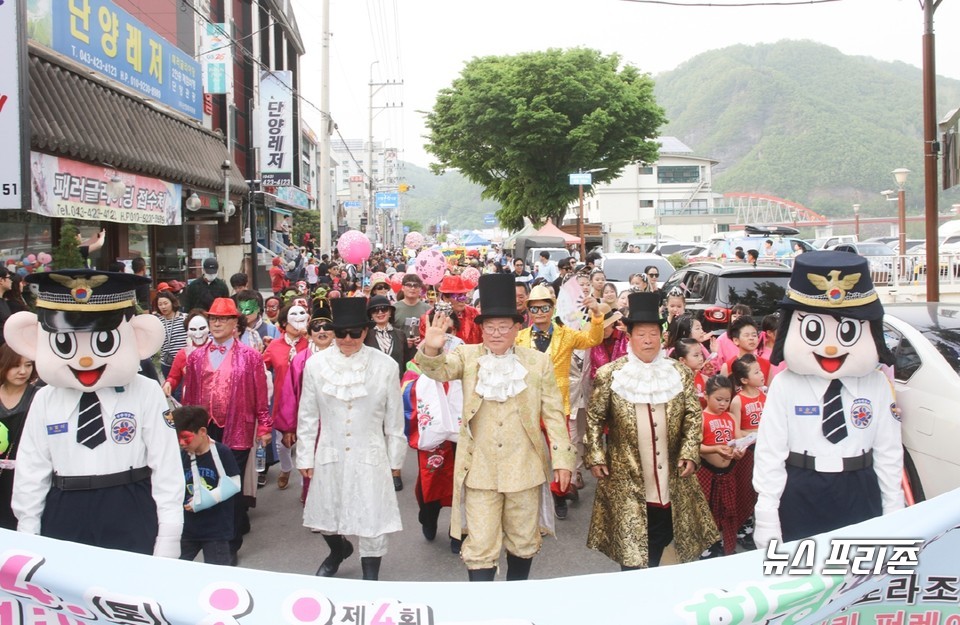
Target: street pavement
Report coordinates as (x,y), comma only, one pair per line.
(279,542)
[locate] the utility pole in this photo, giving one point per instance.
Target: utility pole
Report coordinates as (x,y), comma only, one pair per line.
(324,186)
(930,150)
(375,87)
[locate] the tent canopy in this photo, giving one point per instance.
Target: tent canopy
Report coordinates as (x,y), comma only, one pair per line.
(550,230)
(474,240)
(527,230)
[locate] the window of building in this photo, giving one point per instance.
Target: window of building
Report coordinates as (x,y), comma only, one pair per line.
(645,170)
(646,203)
(678,174)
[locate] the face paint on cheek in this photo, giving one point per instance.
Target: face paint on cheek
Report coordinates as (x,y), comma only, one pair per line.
(186,437)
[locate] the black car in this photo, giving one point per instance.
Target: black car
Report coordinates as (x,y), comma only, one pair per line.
(713,288)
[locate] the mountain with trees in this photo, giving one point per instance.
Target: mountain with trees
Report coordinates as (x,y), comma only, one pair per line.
(802,121)
(446,197)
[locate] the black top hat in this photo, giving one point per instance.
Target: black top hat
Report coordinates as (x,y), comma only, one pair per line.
(643,308)
(831,282)
(349,312)
(498,297)
(85,300)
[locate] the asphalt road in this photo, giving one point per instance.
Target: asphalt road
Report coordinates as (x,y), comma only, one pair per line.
(279,542)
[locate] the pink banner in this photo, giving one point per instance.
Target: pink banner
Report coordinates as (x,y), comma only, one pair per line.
(70,189)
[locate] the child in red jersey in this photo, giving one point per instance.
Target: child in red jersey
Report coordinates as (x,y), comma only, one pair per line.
(745,334)
(718,458)
(747,407)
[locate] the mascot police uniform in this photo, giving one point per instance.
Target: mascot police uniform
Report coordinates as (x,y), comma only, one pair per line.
(828,449)
(98,463)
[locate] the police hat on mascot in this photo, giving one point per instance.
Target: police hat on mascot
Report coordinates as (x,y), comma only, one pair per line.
(836,284)
(86,333)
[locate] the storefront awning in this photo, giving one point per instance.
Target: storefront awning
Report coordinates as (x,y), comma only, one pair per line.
(282,211)
(83,117)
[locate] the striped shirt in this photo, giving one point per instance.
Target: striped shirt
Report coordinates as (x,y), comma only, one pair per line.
(174,337)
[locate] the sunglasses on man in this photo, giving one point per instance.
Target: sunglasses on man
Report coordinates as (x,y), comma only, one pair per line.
(321,327)
(540,309)
(456,297)
(353,333)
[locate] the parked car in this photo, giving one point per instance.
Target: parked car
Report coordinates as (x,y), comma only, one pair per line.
(828,242)
(753,237)
(713,288)
(925,340)
(619,267)
(880,257)
(556,254)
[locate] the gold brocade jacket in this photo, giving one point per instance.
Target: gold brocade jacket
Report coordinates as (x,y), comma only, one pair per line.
(539,401)
(562,344)
(618,527)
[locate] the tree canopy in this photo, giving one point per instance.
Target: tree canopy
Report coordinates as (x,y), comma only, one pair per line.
(519,125)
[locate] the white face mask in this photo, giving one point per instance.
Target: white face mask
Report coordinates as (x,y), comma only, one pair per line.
(209,277)
(297,318)
(198,330)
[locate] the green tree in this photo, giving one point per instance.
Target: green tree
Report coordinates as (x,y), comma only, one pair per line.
(67,253)
(518,125)
(415,226)
(304,222)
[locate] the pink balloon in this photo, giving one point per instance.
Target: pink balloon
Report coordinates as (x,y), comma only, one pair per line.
(44,258)
(32,257)
(471,275)
(413,240)
(354,246)
(430,265)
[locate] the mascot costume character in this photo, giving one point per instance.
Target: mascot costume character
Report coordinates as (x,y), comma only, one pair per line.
(98,464)
(828,449)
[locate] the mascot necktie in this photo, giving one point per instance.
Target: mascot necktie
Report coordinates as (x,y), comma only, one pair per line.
(834,424)
(90,422)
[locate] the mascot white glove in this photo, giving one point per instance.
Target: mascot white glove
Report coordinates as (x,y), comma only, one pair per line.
(168,540)
(767,528)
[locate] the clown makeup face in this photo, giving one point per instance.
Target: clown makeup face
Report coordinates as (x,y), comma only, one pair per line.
(302,287)
(272,308)
(198,330)
(297,319)
(829,347)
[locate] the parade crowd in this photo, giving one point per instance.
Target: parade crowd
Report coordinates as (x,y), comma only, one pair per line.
(509,403)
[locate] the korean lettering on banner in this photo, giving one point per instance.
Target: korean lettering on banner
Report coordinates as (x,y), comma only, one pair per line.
(65,188)
(104,37)
(11,114)
(276,135)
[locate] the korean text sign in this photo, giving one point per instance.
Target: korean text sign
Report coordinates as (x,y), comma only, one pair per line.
(66,188)
(11,110)
(109,40)
(276,128)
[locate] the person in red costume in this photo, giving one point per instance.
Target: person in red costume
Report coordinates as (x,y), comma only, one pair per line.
(453,291)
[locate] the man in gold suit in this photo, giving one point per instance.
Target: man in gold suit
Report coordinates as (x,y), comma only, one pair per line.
(647,492)
(559,341)
(502,464)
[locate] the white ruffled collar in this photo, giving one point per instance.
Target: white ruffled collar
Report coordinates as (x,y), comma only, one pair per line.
(500,377)
(345,377)
(639,382)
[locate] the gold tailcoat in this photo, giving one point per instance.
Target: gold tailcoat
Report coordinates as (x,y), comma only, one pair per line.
(618,527)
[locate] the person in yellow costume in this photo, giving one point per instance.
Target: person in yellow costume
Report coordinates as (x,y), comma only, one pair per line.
(548,336)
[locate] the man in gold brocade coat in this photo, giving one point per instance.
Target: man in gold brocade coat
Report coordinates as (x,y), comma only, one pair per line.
(647,492)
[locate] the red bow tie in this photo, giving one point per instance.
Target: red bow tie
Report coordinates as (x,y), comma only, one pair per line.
(218,348)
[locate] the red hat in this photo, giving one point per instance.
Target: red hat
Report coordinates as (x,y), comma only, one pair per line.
(163,286)
(223,307)
(453,284)
(276,261)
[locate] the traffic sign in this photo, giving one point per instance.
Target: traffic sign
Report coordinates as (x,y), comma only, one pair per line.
(387,200)
(352,204)
(584,179)
(489,219)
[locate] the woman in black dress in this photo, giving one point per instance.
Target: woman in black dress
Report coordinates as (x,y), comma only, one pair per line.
(17,387)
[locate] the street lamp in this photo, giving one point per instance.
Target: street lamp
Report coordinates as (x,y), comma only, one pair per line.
(856,220)
(900,176)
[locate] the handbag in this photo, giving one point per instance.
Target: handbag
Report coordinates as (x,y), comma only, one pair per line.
(227,487)
(438,411)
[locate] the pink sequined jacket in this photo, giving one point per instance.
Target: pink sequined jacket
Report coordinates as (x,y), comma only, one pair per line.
(245,396)
(599,355)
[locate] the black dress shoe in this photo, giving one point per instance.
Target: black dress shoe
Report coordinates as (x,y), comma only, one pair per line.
(397,483)
(455,545)
(340,550)
(560,506)
(371,568)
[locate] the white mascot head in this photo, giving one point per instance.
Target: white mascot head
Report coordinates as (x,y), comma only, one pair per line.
(831,322)
(85,334)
